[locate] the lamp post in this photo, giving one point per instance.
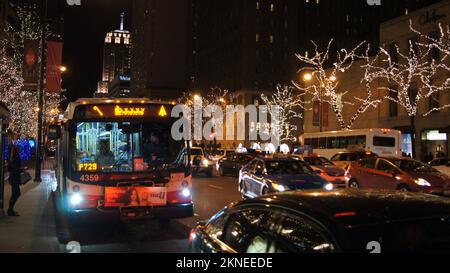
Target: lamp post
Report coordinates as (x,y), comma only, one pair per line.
(39,147)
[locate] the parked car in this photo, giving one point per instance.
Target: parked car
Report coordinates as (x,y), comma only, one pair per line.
(233,163)
(441,164)
(200,162)
(344,159)
(327,170)
(397,174)
(348,221)
(268,175)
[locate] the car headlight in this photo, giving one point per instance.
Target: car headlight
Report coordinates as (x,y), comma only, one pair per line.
(422,182)
(329,187)
(76,199)
(279,187)
(205,162)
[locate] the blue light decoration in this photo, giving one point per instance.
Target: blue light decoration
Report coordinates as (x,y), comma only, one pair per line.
(24,148)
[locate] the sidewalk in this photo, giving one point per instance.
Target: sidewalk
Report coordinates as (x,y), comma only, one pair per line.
(34,230)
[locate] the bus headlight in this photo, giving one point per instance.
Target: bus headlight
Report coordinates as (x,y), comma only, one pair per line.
(329,187)
(76,199)
(422,182)
(186,192)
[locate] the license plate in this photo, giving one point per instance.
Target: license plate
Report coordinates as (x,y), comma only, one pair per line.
(135,197)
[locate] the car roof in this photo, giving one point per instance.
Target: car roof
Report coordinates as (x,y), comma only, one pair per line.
(353,208)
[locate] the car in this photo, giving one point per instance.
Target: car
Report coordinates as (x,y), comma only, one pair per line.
(397,174)
(218,154)
(343,221)
(441,164)
(327,170)
(200,162)
(233,163)
(344,159)
(267,175)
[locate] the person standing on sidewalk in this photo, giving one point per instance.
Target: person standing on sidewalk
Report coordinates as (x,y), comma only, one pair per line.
(15,169)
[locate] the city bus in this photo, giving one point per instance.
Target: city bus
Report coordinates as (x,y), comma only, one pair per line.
(117,158)
(383,142)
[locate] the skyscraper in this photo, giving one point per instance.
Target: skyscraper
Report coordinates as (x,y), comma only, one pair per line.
(116,56)
(161,48)
(243,45)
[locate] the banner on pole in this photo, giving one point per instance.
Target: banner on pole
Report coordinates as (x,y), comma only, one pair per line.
(54,62)
(30,64)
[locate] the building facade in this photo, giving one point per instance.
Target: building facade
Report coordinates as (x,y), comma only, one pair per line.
(432,131)
(116,57)
(161,48)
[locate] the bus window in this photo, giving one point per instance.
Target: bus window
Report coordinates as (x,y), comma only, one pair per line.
(341,143)
(384,141)
(322,143)
(331,142)
(351,140)
(361,141)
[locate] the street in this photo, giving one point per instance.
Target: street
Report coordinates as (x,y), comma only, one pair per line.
(210,196)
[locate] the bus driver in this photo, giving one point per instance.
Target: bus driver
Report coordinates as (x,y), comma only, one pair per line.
(105,158)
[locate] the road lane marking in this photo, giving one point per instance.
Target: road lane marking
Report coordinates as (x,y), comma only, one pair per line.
(216,187)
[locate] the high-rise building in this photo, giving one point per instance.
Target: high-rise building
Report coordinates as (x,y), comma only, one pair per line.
(116,56)
(161,48)
(243,46)
(347,22)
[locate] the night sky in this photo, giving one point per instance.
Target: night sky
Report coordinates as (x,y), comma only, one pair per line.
(85,28)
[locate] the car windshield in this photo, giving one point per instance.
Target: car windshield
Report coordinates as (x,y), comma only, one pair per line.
(287,168)
(413,166)
(196,152)
(124,147)
(318,161)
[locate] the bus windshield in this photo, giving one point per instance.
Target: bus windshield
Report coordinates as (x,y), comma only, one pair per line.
(124,147)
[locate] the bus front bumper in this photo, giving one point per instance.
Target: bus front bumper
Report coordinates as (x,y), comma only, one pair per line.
(167,212)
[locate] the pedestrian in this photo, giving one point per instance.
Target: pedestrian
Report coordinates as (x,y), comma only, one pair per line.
(15,169)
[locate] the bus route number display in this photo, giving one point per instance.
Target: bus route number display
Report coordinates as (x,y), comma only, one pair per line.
(88,167)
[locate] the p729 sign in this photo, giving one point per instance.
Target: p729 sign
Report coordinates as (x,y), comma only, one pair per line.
(74,2)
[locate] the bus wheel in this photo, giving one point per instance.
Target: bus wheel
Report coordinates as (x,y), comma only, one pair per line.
(353,184)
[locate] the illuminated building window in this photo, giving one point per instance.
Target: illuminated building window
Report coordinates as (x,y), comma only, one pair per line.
(108,40)
(117,40)
(257,38)
(271,39)
(258,6)
(127,41)
(272,7)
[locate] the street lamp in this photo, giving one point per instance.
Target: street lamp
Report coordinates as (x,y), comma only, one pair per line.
(63,69)
(307,77)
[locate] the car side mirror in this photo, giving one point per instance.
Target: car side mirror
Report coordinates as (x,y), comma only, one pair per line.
(54,132)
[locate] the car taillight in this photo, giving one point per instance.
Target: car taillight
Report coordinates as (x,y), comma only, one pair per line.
(192,235)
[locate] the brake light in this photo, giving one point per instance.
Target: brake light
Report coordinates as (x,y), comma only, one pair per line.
(345,214)
(192,235)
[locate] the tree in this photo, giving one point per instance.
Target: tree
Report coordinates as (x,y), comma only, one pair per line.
(22,103)
(284,104)
(216,99)
(409,77)
(322,83)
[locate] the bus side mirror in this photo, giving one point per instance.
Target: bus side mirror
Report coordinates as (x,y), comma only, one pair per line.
(54,132)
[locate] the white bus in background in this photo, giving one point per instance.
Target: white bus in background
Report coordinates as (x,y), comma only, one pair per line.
(383,142)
